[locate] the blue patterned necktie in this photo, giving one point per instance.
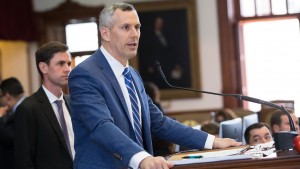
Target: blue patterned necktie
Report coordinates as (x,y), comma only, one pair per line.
(63,124)
(134,106)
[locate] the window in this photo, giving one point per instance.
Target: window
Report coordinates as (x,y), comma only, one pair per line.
(269,46)
(271,52)
(79,59)
(252,8)
(243,25)
(82,39)
(293,6)
(51,26)
(72,24)
(82,36)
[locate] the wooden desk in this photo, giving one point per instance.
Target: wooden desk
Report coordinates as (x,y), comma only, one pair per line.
(284,160)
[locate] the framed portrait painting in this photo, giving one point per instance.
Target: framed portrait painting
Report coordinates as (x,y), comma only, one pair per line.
(169,36)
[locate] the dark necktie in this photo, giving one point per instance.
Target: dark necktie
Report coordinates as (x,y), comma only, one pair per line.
(63,124)
(134,106)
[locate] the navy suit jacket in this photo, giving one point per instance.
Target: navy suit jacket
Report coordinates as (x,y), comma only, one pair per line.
(104,137)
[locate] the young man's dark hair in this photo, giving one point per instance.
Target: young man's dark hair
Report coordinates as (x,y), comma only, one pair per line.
(12,94)
(46,52)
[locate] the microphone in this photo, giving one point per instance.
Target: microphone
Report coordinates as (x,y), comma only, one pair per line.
(158,67)
(246,98)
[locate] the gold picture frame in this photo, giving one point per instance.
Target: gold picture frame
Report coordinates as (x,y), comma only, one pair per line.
(181,64)
(1,66)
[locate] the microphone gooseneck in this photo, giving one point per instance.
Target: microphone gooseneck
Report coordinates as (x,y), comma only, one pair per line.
(158,67)
(238,96)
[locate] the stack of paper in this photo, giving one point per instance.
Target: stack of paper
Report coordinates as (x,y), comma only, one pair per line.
(222,155)
(249,152)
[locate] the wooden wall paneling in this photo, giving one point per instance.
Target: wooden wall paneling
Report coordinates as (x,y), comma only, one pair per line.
(231,71)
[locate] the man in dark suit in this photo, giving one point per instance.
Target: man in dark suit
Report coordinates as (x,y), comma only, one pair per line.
(12,94)
(44,134)
(112,115)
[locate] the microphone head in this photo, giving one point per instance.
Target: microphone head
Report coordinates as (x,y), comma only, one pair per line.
(157,64)
(158,67)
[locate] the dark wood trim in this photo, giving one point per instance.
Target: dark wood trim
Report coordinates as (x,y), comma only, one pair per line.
(240,18)
(231,71)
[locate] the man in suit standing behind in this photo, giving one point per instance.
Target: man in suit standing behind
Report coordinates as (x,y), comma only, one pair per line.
(44,133)
(112,115)
(11,95)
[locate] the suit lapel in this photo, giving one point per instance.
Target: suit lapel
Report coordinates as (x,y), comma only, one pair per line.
(50,115)
(107,71)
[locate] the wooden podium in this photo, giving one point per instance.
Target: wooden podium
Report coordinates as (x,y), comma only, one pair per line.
(279,160)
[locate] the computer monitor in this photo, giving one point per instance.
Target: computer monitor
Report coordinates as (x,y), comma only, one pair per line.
(231,129)
(247,121)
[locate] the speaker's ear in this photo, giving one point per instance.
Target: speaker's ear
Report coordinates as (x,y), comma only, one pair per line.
(105,33)
(43,67)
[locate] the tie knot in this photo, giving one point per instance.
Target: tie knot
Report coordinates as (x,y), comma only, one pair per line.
(58,103)
(126,72)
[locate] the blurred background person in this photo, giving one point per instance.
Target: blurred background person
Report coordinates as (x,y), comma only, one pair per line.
(225,114)
(258,133)
(3,111)
(153,92)
(3,108)
(160,147)
(12,94)
(211,128)
(280,121)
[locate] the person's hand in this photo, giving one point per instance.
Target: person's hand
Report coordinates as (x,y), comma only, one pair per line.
(155,163)
(225,142)
(3,110)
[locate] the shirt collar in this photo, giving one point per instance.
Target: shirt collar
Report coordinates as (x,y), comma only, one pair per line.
(115,65)
(52,98)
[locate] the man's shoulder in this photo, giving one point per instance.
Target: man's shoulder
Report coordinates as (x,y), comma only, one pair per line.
(32,99)
(90,60)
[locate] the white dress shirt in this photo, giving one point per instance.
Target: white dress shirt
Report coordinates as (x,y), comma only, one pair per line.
(52,98)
